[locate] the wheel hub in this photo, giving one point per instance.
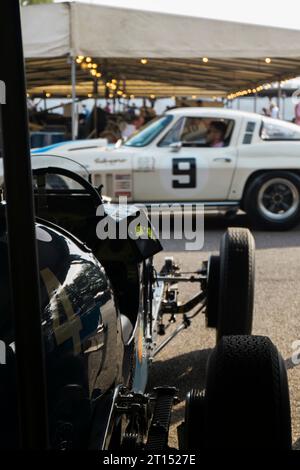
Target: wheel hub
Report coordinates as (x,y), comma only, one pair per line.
(278,199)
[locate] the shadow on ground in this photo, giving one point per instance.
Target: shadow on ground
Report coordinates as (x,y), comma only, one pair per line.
(183,372)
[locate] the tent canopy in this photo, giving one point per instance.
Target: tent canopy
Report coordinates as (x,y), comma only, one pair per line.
(117,39)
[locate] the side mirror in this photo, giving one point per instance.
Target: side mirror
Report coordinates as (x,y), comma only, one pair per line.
(175,146)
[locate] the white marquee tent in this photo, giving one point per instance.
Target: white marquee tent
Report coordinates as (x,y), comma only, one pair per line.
(54,30)
(186,55)
(150,54)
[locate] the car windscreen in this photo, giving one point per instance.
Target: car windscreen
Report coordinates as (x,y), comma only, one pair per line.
(148,133)
(276,130)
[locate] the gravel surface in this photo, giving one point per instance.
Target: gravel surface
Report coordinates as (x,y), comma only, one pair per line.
(277,312)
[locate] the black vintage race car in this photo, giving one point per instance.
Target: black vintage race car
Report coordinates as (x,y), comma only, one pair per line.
(80,317)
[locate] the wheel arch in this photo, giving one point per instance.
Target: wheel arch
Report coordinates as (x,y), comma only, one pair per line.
(257,173)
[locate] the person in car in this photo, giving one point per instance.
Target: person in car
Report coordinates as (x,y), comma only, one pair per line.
(215,135)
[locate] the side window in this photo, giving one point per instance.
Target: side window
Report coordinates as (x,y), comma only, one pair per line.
(200,132)
(194,132)
(250,128)
(207,132)
(272,130)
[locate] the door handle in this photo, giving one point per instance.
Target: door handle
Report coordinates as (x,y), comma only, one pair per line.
(222,159)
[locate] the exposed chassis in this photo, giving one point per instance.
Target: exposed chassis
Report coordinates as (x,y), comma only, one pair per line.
(165,301)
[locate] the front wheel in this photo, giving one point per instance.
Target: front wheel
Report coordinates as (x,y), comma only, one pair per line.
(236,283)
(245,404)
(272,200)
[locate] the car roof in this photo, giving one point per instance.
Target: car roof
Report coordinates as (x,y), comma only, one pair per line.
(215,112)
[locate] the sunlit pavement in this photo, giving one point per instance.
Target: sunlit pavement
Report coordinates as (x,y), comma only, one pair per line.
(277,311)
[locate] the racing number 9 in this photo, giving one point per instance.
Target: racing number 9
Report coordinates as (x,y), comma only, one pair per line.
(190,172)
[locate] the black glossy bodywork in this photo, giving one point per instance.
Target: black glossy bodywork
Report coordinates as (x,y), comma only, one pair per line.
(84,350)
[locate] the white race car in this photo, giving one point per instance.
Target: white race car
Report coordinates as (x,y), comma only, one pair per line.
(223,158)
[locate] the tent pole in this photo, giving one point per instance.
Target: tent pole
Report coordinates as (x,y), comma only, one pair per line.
(279,97)
(73,83)
(95,107)
(283,107)
(255,102)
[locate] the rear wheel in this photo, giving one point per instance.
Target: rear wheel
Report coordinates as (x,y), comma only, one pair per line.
(194,419)
(236,283)
(246,400)
(213,287)
(272,200)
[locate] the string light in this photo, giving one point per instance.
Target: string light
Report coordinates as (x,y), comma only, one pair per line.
(48,95)
(88,59)
(250,91)
(268,60)
(205,60)
(144,61)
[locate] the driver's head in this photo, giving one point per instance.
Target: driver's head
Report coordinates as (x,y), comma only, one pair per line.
(216,133)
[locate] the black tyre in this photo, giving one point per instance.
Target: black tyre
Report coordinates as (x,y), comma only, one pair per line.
(193,421)
(237,275)
(246,398)
(272,200)
(213,287)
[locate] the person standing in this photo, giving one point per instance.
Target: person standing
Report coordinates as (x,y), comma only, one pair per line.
(274,110)
(297,114)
